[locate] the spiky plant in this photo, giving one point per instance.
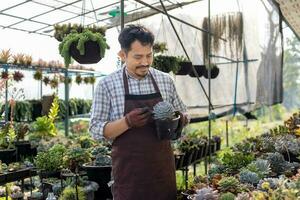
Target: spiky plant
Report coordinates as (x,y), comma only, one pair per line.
(46,80)
(54,83)
(228,184)
(28,59)
(18,76)
(4,75)
(5,56)
(227,196)
(86,80)
(14,59)
(92,80)
(163,110)
(206,193)
(78,79)
(21,58)
(249,177)
(38,75)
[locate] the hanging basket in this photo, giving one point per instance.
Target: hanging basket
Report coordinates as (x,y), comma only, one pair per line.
(185,68)
(199,69)
(92,53)
(214,72)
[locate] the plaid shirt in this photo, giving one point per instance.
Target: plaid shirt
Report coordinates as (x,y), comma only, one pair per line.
(109,99)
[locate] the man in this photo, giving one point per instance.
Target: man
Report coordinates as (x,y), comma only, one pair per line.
(142,165)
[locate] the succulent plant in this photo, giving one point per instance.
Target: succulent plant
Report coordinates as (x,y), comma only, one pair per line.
(227,196)
(86,80)
(46,80)
(160,47)
(249,177)
(206,193)
(268,183)
(78,79)
(38,75)
(5,56)
(287,143)
(27,60)
(102,160)
(260,167)
(243,196)
(215,169)
(54,83)
(18,76)
(163,110)
(277,162)
(4,75)
(21,58)
(103,150)
(92,80)
(228,184)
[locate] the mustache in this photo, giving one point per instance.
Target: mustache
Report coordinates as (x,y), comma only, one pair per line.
(140,66)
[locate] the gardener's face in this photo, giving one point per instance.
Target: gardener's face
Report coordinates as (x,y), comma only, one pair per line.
(138,59)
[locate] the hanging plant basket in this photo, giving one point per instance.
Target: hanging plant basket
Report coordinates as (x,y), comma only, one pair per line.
(92,53)
(185,68)
(200,69)
(213,73)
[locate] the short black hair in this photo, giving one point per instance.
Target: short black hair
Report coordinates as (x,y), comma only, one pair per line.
(132,33)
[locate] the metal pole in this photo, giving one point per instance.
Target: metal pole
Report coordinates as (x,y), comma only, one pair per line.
(67,102)
(227,141)
(185,52)
(6,96)
(209,83)
(122,14)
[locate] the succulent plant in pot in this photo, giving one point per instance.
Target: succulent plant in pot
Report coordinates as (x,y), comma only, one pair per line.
(205,193)
(166,63)
(4,75)
(78,79)
(46,80)
(86,47)
(249,177)
(166,120)
(76,157)
(229,184)
(227,196)
(54,83)
(16,193)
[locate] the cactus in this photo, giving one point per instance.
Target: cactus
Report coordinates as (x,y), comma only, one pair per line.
(228,184)
(247,176)
(227,196)
(206,193)
(243,196)
(163,110)
(268,183)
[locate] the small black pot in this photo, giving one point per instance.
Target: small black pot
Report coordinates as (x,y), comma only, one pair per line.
(8,155)
(185,68)
(166,129)
(101,175)
(200,69)
(214,72)
(92,53)
(48,174)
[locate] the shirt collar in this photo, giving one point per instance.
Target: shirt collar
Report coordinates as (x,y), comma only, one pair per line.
(129,76)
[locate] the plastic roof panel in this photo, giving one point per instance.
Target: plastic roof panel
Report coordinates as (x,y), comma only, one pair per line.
(6,4)
(27,10)
(30,26)
(6,20)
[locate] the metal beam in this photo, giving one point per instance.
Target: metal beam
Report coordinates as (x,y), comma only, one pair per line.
(14,6)
(54,9)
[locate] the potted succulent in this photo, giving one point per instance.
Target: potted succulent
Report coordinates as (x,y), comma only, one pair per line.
(18,76)
(7,148)
(38,75)
(16,193)
(78,79)
(166,121)
(100,167)
(85,47)
(75,158)
(35,196)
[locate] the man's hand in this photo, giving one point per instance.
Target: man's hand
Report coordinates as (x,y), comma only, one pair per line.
(138,117)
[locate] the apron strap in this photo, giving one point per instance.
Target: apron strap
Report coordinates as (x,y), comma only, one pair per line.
(127,87)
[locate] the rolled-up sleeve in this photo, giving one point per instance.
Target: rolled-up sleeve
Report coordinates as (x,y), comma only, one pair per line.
(100,111)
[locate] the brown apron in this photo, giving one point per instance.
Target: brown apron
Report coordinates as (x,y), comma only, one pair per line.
(143,167)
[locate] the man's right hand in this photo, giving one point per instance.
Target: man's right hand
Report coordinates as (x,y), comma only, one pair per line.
(138,117)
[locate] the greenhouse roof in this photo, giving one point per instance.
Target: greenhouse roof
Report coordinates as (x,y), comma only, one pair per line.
(39,16)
